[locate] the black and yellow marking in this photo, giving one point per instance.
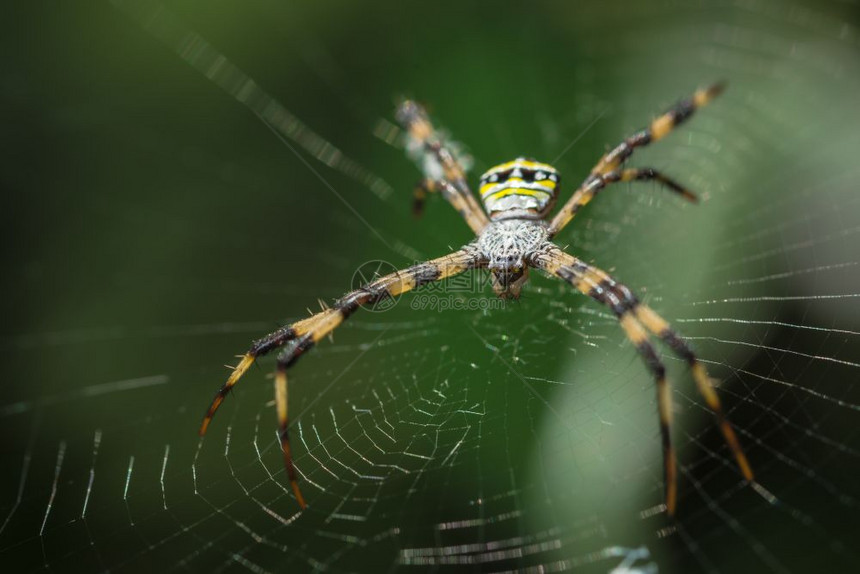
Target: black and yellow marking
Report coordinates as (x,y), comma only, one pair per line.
(540,194)
(637,320)
(608,168)
(520,162)
(522,187)
(301,336)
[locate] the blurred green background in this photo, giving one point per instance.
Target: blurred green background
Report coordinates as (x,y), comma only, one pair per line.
(154,226)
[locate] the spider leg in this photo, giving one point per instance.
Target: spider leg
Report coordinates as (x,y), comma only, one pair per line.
(594,184)
(637,335)
(613,159)
(636,319)
(303,335)
(440,165)
(660,327)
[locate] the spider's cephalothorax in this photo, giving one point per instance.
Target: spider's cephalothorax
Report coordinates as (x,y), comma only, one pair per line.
(512,236)
(507,246)
(519,189)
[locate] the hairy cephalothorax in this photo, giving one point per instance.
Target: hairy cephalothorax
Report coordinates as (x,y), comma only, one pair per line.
(508,246)
(513,235)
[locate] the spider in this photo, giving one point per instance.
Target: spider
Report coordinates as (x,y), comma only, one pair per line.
(512,236)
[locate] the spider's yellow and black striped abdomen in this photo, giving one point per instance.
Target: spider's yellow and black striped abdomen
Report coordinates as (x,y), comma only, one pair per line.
(522,188)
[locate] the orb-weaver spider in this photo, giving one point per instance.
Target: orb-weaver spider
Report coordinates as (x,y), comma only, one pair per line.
(512,236)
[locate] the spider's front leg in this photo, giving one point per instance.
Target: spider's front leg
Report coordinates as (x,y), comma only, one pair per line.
(301,336)
(636,319)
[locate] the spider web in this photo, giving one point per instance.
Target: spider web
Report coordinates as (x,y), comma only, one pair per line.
(159,227)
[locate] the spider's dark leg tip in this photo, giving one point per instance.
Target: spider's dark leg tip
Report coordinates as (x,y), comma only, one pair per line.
(686,194)
(747,471)
(704,96)
(418,205)
(718,88)
(240,369)
(298,494)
